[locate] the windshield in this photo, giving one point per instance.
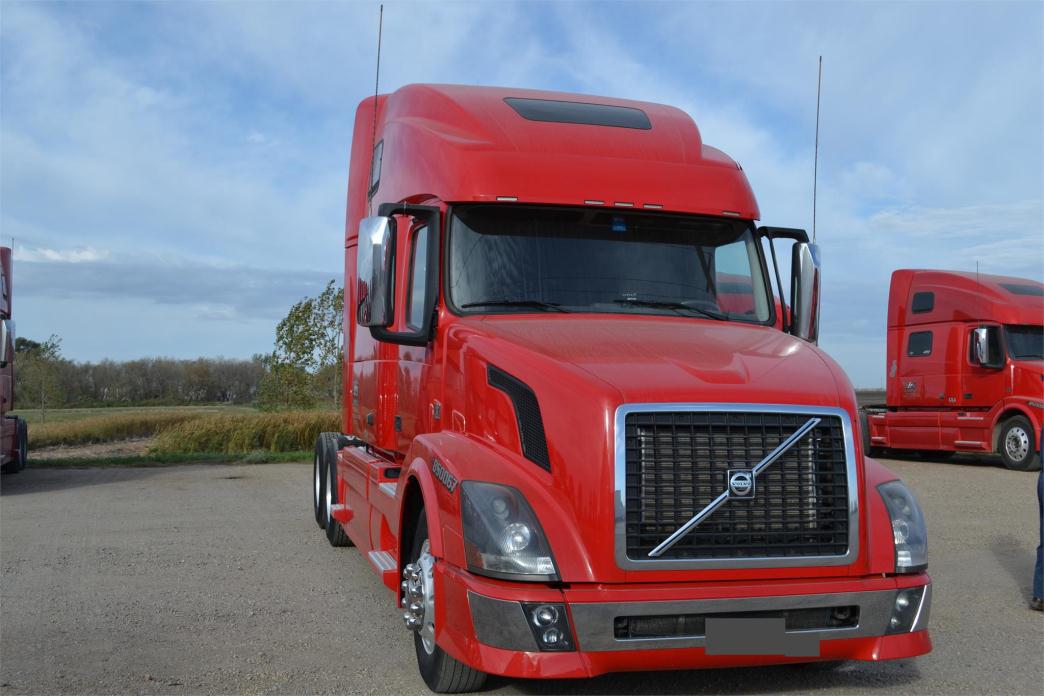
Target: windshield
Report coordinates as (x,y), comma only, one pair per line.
(1025,342)
(531,259)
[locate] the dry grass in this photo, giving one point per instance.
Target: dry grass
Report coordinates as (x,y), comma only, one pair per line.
(107,427)
(231,434)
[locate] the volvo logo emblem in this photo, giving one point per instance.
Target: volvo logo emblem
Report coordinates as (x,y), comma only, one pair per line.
(741,483)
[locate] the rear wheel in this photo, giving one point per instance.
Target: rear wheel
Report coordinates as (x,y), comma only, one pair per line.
(442,673)
(1017,445)
(334,531)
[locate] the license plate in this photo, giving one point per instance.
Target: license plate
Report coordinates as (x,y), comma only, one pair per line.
(767,636)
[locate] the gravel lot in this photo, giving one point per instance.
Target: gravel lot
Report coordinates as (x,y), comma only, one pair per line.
(214,579)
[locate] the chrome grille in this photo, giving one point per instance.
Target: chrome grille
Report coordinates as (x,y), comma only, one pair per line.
(676,463)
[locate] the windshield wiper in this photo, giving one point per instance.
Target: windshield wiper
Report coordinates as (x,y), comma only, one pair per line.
(535,304)
(669,304)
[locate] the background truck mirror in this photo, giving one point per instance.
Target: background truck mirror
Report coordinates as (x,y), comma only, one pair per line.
(375,272)
(7,337)
(805,289)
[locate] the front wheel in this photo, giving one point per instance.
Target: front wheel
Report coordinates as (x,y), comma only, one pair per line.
(1017,445)
(442,673)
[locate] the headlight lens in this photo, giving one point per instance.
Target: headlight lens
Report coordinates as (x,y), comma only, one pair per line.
(502,537)
(909,532)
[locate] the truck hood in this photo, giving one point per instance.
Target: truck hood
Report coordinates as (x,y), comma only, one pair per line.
(668,359)
(581,369)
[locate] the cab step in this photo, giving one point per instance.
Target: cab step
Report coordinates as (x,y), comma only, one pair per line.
(386,566)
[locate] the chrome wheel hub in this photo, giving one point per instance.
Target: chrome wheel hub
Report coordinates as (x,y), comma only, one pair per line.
(418,597)
(1016,444)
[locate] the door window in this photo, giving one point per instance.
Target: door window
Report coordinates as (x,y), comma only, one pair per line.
(418,278)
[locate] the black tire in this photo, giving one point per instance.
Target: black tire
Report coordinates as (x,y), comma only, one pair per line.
(319,482)
(23,444)
(1017,445)
(20,459)
(442,673)
(334,531)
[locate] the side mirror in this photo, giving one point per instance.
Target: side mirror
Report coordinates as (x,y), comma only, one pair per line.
(805,290)
(981,346)
(7,339)
(986,347)
(375,305)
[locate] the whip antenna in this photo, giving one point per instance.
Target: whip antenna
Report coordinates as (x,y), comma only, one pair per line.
(815,158)
(376,87)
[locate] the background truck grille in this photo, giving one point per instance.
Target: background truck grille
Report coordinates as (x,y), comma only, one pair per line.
(677,463)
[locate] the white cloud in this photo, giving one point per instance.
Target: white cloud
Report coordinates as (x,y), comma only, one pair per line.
(79,255)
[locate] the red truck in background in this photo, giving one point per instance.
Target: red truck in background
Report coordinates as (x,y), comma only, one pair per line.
(965,367)
(14,437)
(581,432)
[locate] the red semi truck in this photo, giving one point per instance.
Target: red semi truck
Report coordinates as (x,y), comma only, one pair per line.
(965,367)
(581,433)
(13,432)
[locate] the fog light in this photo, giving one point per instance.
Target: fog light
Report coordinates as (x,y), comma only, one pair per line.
(552,637)
(905,610)
(550,626)
(545,615)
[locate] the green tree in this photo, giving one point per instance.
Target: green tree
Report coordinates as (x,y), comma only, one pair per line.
(305,364)
(38,368)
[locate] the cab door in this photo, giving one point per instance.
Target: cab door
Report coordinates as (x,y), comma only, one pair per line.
(982,387)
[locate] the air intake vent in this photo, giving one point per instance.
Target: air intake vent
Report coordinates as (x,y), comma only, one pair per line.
(527,413)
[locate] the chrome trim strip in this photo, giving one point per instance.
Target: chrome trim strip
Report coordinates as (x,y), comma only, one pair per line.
(687,527)
(967,443)
(388,488)
(593,622)
(382,561)
(620,491)
(500,624)
(920,621)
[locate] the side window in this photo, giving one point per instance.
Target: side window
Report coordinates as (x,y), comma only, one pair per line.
(919,344)
(923,302)
(418,278)
(375,168)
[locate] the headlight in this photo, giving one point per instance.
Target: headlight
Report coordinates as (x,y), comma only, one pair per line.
(909,531)
(502,537)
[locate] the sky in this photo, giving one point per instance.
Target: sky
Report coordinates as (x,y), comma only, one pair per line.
(173,174)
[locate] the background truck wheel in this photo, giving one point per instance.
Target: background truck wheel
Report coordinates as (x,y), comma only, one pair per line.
(21,456)
(334,531)
(23,444)
(1017,445)
(443,674)
(319,481)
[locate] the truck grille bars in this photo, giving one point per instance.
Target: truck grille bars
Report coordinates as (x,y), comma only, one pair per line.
(724,486)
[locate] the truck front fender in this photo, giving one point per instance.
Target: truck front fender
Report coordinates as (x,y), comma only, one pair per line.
(439,462)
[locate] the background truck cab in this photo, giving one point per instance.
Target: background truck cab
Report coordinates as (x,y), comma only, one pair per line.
(14,438)
(965,366)
(584,431)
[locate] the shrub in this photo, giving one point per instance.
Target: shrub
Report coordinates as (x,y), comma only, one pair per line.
(271,432)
